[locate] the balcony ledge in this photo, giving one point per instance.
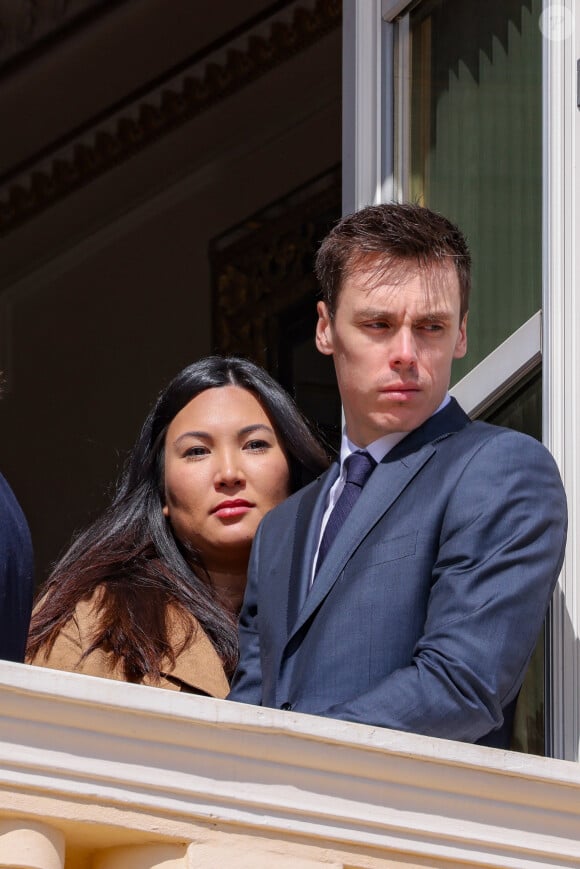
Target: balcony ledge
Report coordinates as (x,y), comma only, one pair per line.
(83,754)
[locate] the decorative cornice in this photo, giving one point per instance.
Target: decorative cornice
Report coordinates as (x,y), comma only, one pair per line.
(264,267)
(27,23)
(170,104)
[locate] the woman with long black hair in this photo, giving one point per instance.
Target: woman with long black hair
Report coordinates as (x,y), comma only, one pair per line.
(151,591)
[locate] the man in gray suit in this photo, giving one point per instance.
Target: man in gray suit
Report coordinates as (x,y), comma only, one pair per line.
(407,586)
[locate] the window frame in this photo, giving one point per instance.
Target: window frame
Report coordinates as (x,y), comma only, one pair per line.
(561,365)
(371,166)
(501,370)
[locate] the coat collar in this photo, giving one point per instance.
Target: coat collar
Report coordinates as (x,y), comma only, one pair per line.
(452,418)
(197,668)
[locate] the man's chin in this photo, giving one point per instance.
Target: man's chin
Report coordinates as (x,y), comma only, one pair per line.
(399,420)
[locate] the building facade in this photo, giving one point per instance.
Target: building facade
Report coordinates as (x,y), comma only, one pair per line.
(163,201)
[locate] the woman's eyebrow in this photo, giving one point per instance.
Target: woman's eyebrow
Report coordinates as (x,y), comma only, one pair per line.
(206,436)
(259,426)
(202,435)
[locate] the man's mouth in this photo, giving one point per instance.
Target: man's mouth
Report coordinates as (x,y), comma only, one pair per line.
(401,390)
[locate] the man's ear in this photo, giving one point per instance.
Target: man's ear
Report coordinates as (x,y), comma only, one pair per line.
(324,343)
(166,511)
(461,343)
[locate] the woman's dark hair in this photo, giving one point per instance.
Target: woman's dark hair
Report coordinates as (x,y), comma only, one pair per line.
(131,550)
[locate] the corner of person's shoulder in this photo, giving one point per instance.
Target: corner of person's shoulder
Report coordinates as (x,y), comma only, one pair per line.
(4,487)
(86,609)
(197,665)
(182,624)
(522,449)
(290,505)
(506,438)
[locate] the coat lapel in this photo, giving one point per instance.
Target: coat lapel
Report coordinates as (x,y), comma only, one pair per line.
(385,485)
(383,488)
(308,519)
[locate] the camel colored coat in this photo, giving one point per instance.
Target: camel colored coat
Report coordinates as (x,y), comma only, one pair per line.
(197,669)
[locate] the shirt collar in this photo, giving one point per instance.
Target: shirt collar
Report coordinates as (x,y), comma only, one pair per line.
(378,449)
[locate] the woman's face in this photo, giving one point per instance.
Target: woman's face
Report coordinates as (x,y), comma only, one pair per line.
(224,470)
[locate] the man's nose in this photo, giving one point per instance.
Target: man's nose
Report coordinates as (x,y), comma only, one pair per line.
(403,349)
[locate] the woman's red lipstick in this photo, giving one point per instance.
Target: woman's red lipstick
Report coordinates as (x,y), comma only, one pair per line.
(235,507)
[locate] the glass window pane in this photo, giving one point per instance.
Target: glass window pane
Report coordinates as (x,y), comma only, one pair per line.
(522,410)
(475,150)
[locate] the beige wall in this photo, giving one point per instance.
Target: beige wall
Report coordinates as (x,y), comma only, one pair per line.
(107,294)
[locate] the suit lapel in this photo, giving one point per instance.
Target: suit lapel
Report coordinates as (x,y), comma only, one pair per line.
(383,488)
(385,485)
(308,519)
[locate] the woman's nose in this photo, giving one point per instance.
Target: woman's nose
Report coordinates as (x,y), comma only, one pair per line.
(228,472)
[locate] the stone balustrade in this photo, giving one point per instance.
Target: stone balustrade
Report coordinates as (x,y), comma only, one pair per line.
(96,774)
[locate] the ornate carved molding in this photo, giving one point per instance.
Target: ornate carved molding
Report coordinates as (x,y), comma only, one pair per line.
(264,296)
(173,102)
(26,23)
(263,268)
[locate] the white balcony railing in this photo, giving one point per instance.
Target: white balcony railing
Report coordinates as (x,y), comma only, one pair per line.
(96,774)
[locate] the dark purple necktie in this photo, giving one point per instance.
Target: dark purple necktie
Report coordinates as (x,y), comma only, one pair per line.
(359,467)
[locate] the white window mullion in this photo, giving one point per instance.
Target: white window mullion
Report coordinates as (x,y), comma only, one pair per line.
(391,9)
(561,371)
(367,87)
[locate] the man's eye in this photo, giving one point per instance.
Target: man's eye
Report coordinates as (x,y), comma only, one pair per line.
(377,324)
(432,327)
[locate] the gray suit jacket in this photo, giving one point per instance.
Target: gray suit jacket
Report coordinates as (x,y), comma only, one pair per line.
(429,603)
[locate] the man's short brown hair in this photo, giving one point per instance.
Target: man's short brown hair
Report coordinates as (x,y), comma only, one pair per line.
(402,234)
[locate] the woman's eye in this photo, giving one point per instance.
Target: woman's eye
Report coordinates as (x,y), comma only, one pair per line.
(256,446)
(195,452)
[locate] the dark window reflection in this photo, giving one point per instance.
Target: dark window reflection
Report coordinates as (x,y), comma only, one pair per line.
(522,411)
